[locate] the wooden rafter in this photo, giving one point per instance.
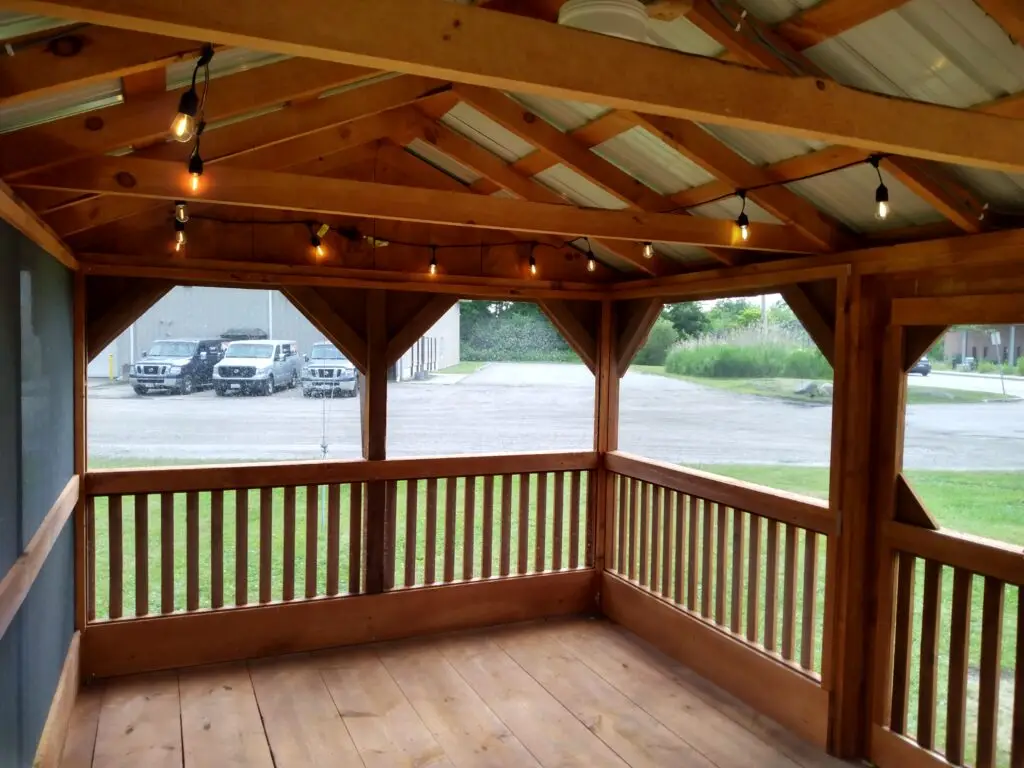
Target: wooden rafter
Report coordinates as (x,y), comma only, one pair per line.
(39,71)
(114,303)
(634,319)
(429,312)
(814,305)
(450,41)
(577,322)
(323,313)
(830,18)
(263,189)
(35,229)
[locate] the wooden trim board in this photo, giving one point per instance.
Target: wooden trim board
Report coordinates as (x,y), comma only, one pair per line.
(143,645)
(55,731)
(793,699)
(22,575)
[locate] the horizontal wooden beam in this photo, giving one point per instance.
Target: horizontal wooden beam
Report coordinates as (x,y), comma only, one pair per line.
(168,642)
(16,583)
(262,189)
(955,310)
(25,220)
(513,53)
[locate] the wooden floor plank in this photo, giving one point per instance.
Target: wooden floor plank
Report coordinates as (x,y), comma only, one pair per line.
(220,721)
(302,724)
(651,687)
(534,716)
(382,723)
(633,734)
(139,724)
(468,731)
(85,719)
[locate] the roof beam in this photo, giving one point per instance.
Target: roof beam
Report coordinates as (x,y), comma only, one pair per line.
(830,18)
(1009,14)
(262,189)
(146,120)
(35,229)
(472,45)
(106,53)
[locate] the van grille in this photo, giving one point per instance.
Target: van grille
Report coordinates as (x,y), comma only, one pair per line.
(238,372)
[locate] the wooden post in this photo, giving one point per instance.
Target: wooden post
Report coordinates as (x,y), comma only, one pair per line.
(606,433)
(80,367)
(374,402)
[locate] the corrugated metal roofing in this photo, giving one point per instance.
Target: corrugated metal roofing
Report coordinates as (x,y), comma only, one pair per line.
(774,11)
(14,25)
(1004,190)
(730,208)
(683,35)
(564,115)
(225,62)
(478,127)
(650,160)
(606,257)
(685,254)
(943,51)
(849,196)
(577,189)
(60,104)
(440,160)
(762,148)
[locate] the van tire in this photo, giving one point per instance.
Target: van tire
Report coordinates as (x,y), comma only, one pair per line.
(268,386)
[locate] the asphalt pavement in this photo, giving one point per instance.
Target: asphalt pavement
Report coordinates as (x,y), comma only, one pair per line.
(529,407)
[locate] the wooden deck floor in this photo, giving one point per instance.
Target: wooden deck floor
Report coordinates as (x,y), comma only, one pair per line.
(567,693)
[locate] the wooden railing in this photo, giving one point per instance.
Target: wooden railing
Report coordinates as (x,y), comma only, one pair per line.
(953,665)
(170,540)
(746,559)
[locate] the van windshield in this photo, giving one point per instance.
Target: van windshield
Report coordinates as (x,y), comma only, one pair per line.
(326,352)
(250,350)
(172,349)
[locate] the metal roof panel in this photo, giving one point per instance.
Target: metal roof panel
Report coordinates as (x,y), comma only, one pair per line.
(14,25)
(564,115)
(577,189)
(651,161)
(61,104)
(1005,191)
(730,209)
(762,148)
(476,126)
(774,11)
(225,62)
(441,161)
(683,35)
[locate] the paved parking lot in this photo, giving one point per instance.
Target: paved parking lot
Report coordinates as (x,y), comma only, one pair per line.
(524,407)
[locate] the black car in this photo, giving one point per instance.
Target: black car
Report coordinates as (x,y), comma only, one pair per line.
(922,366)
(176,365)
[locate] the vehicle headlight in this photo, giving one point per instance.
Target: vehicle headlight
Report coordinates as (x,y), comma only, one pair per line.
(265,369)
(174,370)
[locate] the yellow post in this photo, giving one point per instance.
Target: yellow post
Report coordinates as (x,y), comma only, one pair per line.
(110,367)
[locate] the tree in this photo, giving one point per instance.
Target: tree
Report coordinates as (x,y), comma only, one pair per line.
(659,341)
(688,318)
(733,314)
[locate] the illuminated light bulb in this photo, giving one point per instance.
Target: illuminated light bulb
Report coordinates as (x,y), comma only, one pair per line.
(433,262)
(591,262)
(743,222)
(180,211)
(533,265)
(183,126)
(318,246)
(195,168)
(648,250)
(179,236)
(882,202)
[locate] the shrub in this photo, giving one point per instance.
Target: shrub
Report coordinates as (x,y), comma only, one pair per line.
(729,361)
(986,366)
(517,338)
(1020,367)
(661,338)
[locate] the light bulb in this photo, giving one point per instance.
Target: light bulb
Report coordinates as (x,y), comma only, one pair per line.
(648,250)
(183,126)
(433,264)
(318,246)
(320,251)
(195,168)
(533,265)
(195,182)
(591,263)
(743,222)
(882,202)
(180,211)
(179,236)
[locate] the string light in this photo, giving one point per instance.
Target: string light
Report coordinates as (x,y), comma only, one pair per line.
(195,167)
(179,236)
(183,126)
(433,260)
(180,211)
(882,193)
(316,239)
(648,251)
(591,260)
(533,261)
(743,221)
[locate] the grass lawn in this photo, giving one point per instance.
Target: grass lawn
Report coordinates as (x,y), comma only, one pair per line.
(784,389)
(466,366)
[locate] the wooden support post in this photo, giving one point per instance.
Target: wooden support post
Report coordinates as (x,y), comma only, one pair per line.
(80,366)
(375,414)
(606,433)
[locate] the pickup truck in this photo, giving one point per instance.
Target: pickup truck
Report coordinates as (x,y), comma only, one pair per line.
(257,367)
(328,372)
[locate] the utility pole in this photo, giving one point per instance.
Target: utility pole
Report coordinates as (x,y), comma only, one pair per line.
(764,315)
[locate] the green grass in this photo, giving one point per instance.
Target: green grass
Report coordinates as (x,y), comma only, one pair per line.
(784,389)
(466,366)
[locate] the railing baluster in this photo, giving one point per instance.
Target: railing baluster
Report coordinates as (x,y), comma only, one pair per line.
(789,595)
(809,630)
(680,545)
(655,537)
(753,578)
(990,672)
(451,487)
(312,524)
(634,500)
(722,554)
(691,566)
(901,648)
(141,554)
(622,516)
(929,654)
(355,538)
(167,553)
(523,548)
(487,532)
(959,653)
(390,523)
(333,536)
(707,558)
(667,499)
(266,532)
(589,505)
(217,549)
(192,551)
(558,515)
(738,561)
(90,543)
(644,544)
(115,583)
(771,583)
(242,546)
(412,492)
(288,556)
(430,553)
(506,525)
(1017,735)
(468,528)
(540,545)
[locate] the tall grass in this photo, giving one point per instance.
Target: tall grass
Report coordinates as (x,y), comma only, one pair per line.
(748,354)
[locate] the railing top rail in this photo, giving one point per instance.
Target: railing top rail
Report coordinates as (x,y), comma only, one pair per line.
(960,550)
(232,476)
(803,511)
